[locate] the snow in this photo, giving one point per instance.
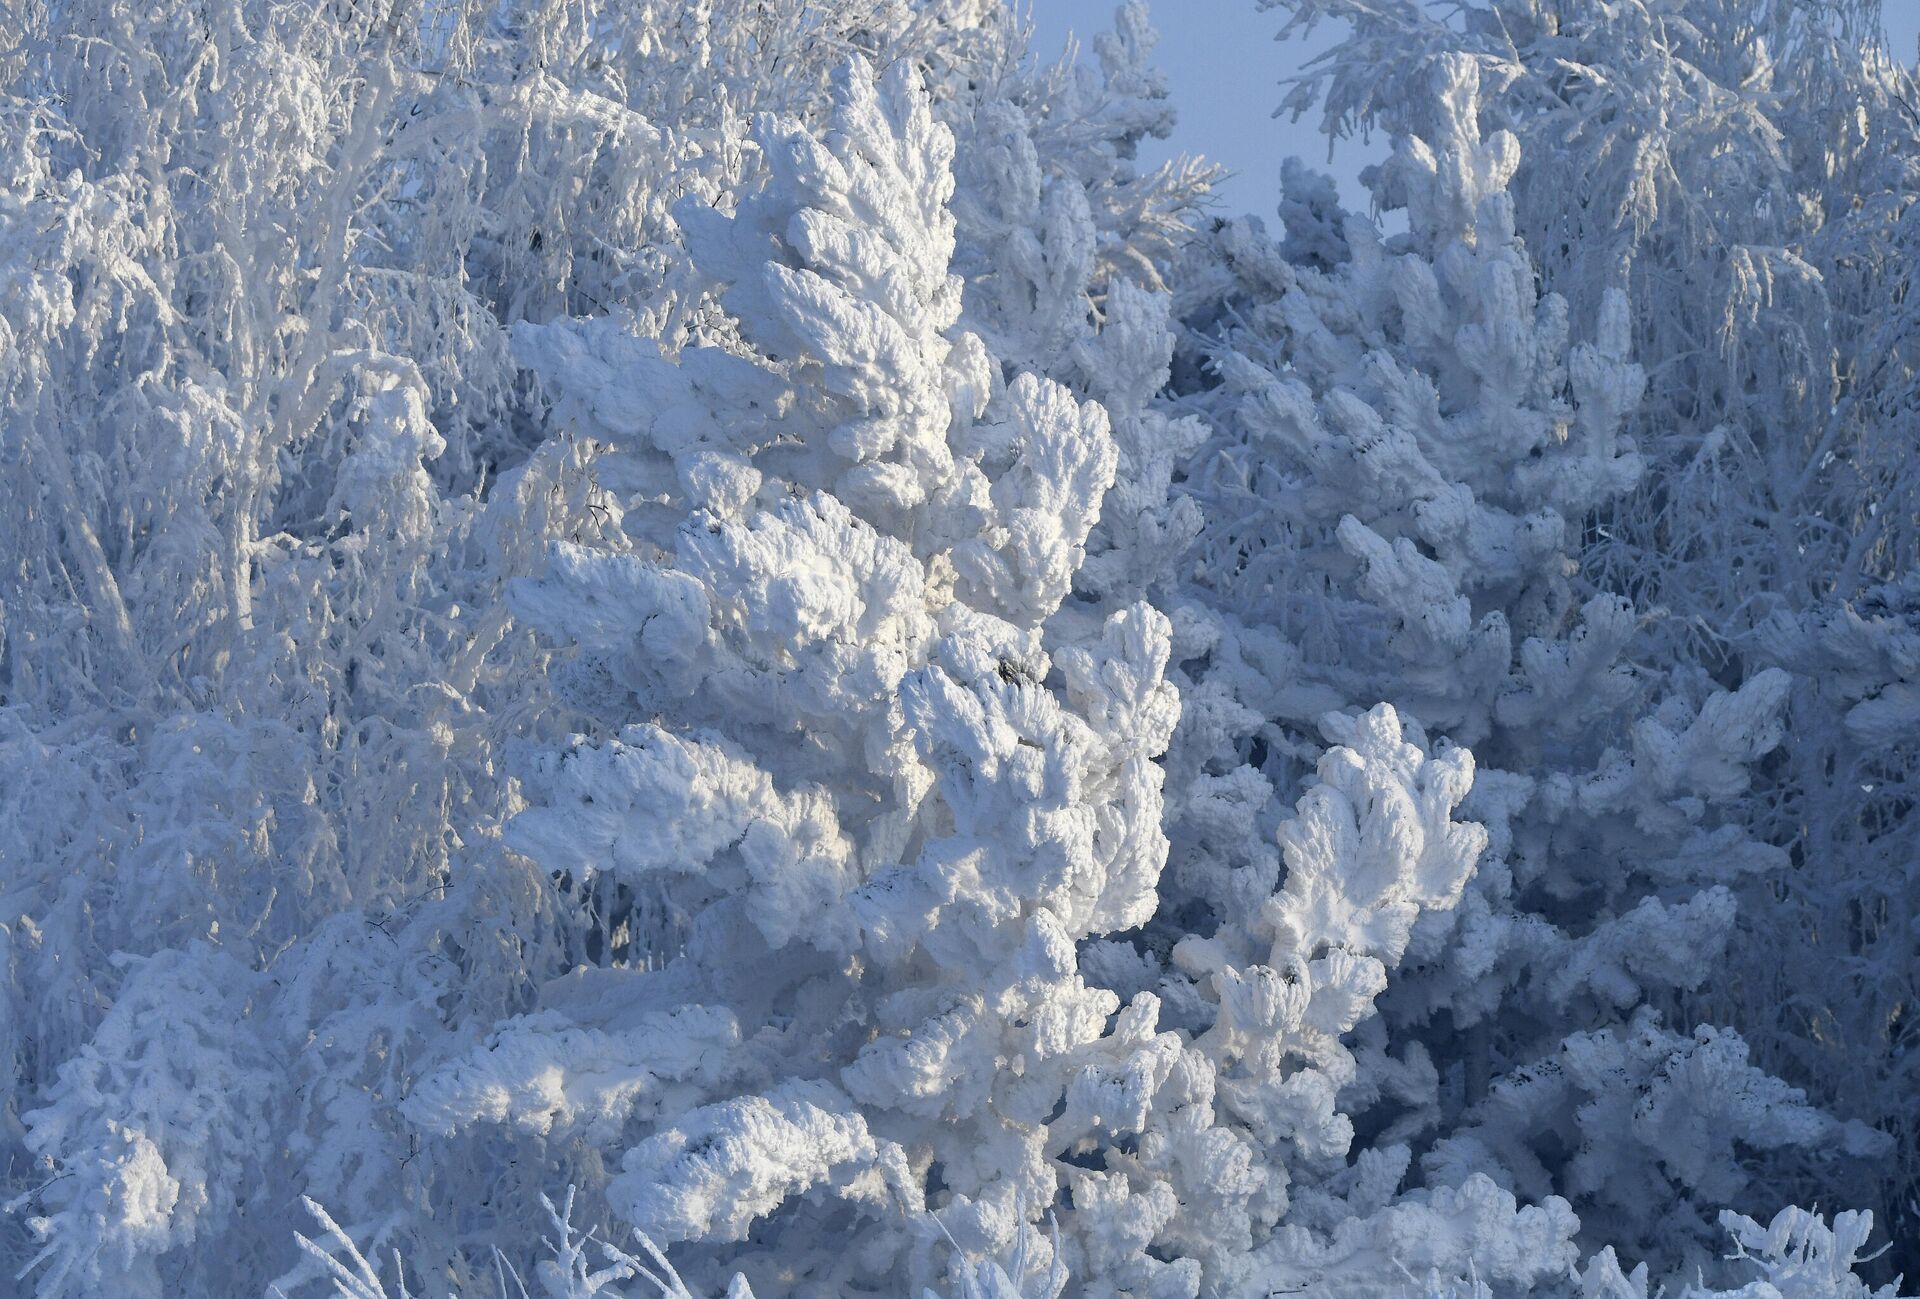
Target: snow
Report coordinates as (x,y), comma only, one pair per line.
(718,647)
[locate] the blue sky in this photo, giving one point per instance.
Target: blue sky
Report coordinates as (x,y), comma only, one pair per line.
(1225,69)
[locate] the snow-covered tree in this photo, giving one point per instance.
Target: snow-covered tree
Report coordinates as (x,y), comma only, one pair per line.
(891,827)
(1402,424)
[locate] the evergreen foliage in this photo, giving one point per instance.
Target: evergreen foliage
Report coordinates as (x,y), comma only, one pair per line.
(710,647)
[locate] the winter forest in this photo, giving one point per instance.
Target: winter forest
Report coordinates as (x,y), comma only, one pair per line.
(713,648)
